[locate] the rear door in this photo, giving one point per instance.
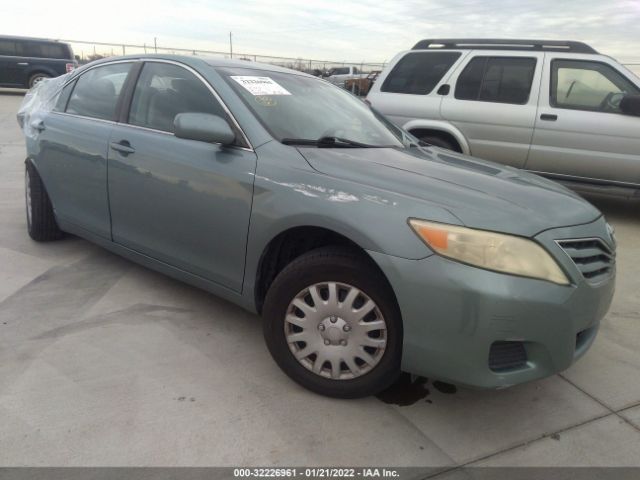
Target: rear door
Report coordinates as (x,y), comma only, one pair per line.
(493,102)
(579,131)
(73,147)
(409,90)
(183,202)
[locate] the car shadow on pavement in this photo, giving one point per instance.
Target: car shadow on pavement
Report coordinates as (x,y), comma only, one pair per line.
(616,208)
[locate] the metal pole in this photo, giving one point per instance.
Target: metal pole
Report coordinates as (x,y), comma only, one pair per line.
(124,52)
(155,44)
(145,48)
(231,44)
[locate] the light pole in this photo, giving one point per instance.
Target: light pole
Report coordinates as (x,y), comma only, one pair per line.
(231,44)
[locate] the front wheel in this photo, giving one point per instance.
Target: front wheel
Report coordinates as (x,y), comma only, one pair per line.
(332,324)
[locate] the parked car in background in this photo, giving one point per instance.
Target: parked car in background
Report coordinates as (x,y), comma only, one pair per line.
(316,72)
(364,252)
(555,108)
(362,85)
(339,75)
(25,61)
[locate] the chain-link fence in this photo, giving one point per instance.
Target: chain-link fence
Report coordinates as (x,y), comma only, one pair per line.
(88,51)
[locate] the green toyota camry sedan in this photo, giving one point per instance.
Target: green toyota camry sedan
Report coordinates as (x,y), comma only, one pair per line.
(365,251)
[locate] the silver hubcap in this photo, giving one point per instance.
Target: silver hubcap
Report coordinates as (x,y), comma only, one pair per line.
(27,190)
(335,330)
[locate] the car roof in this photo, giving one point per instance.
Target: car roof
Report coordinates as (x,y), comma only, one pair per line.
(33,39)
(195,61)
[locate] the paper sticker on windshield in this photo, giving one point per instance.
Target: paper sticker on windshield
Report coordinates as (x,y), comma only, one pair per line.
(260,85)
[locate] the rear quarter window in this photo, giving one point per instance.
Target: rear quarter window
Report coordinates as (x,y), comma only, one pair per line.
(37,49)
(418,73)
(7,47)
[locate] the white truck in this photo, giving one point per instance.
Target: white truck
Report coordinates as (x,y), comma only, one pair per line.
(338,75)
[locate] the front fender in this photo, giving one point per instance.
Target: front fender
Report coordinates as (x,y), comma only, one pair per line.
(289,193)
(441,126)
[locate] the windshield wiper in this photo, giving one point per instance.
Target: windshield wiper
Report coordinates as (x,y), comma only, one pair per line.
(329,142)
(298,141)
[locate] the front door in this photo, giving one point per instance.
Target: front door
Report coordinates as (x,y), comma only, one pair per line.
(183,202)
(580,132)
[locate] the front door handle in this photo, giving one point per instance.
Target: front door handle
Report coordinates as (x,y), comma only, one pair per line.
(124,147)
(549,117)
(22,64)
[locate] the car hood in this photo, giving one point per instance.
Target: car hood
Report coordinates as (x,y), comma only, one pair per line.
(479,193)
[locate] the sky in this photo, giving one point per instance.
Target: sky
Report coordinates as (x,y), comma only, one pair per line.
(337,30)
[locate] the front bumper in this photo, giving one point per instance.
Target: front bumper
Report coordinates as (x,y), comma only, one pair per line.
(453,313)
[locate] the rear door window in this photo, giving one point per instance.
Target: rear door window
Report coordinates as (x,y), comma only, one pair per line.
(97,91)
(419,72)
(163,91)
(497,79)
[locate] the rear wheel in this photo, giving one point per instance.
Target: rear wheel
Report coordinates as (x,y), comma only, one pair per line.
(41,221)
(37,78)
(332,324)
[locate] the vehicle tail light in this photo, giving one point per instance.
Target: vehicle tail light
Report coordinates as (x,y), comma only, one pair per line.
(70,67)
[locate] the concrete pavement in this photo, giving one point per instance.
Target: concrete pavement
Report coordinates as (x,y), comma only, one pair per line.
(103,362)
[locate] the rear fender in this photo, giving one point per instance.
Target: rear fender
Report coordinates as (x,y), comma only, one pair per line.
(440,126)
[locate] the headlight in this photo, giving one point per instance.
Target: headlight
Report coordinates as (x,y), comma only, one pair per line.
(493,251)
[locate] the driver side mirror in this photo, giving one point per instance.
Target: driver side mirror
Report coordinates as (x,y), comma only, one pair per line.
(203,127)
(630,105)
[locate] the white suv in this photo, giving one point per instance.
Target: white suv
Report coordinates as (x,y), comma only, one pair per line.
(555,108)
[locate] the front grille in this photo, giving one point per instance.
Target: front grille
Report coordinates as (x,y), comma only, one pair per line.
(506,356)
(592,256)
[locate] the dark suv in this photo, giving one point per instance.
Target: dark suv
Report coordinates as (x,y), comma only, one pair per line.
(26,61)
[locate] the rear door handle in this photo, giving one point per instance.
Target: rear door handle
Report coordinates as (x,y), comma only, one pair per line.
(123,147)
(22,64)
(549,117)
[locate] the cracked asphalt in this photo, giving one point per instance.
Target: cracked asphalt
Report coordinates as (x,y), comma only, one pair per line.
(103,362)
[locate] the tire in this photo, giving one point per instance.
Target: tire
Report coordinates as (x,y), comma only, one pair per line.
(341,373)
(37,77)
(41,221)
(440,142)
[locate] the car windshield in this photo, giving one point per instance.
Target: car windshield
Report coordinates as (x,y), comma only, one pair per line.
(297,109)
